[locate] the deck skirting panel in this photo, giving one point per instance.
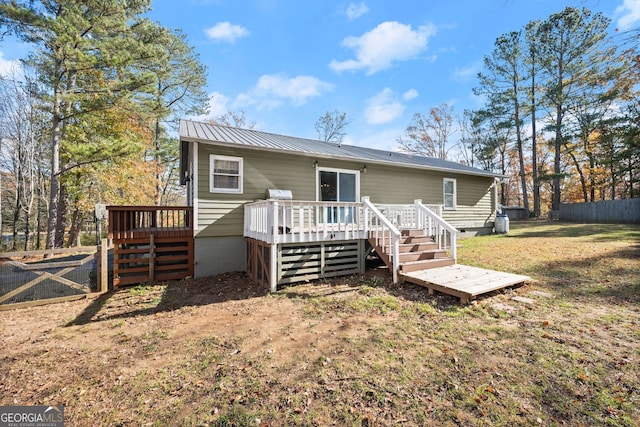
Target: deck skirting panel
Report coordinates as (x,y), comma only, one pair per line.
(302,262)
(148,260)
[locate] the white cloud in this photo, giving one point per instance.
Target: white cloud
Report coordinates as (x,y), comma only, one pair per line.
(410,94)
(467,73)
(382,139)
(386,44)
(383,107)
(355,11)
(272,90)
(226,32)
(628,14)
(10,67)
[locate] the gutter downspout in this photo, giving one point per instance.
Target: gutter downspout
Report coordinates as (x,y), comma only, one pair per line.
(495,195)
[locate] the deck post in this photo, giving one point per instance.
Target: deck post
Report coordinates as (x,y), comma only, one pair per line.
(396,258)
(103,267)
(274,222)
(273,266)
(366,215)
(152,258)
(416,203)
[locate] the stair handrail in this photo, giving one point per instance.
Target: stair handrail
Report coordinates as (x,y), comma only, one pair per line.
(440,223)
(380,235)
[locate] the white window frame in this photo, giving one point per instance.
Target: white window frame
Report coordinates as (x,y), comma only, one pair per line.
(338,214)
(212,162)
(454,194)
(349,171)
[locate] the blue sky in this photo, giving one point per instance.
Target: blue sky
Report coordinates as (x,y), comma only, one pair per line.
(286,62)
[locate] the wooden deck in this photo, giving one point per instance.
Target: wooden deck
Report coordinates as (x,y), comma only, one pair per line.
(463,281)
(151,243)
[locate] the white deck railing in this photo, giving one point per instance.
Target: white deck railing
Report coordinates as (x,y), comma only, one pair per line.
(385,234)
(404,216)
(294,221)
(443,233)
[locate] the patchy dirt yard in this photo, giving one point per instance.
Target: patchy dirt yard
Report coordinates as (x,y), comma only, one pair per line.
(351,351)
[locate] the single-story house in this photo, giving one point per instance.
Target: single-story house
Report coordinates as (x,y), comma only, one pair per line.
(287,209)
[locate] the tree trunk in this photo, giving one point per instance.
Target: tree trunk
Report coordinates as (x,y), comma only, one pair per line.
(518,128)
(61,222)
(74,231)
(555,201)
(613,182)
(18,202)
(27,230)
(16,218)
(592,178)
(631,194)
(503,185)
(523,175)
(52,220)
(157,158)
(534,143)
(583,180)
(41,193)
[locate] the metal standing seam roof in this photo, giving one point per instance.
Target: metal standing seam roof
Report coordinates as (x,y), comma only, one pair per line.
(215,134)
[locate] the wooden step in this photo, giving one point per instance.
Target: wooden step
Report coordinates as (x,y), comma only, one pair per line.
(408,247)
(414,247)
(411,232)
(426,264)
(417,239)
(422,255)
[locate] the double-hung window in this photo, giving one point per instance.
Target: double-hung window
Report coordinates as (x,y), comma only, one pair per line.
(225,174)
(449,193)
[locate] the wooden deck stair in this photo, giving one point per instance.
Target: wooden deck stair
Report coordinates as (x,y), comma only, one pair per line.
(422,263)
(417,252)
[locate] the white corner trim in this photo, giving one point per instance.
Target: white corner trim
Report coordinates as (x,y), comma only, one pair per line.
(194,181)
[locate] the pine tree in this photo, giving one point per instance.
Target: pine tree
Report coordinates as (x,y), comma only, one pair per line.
(87,54)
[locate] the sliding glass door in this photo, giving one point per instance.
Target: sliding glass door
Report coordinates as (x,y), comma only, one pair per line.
(337,185)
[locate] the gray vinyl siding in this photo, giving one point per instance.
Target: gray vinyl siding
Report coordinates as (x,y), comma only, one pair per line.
(475,203)
(475,199)
(390,185)
(223,214)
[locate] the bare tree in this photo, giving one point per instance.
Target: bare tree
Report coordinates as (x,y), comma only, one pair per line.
(468,140)
(234,119)
(429,135)
(19,148)
(331,127)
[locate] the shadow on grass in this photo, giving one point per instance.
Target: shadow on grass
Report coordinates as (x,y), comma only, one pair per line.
(595,276)
(145,300)
(599,232)
(376,275)
(589,277)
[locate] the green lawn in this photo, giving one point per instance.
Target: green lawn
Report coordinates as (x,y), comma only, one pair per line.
(355,351)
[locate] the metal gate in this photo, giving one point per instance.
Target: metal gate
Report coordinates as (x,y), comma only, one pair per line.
(32,280)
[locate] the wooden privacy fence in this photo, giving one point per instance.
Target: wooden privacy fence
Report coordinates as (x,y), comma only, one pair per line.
(151,243)
(625,211)
(27,278)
